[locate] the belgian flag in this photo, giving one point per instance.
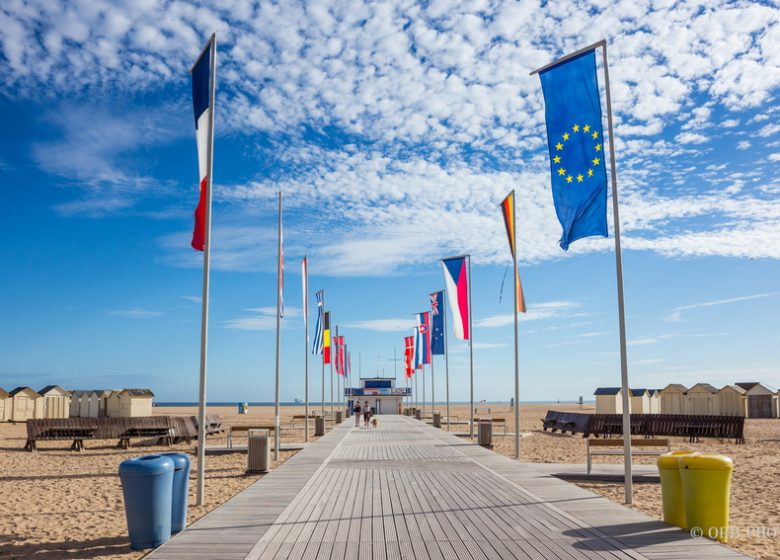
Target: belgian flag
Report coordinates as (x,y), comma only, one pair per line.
(326,338)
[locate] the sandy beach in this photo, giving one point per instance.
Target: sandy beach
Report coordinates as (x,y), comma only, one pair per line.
(61,504)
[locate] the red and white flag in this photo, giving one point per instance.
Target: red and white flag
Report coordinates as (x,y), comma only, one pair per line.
(202,89)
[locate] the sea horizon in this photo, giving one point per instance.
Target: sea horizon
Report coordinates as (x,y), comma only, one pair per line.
(318,403)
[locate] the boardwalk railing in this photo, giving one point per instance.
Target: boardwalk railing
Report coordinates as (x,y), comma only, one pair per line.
(692,426)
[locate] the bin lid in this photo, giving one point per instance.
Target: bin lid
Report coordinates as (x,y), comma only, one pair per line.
(146,466)
(707,462)
(180,460)
(671,460)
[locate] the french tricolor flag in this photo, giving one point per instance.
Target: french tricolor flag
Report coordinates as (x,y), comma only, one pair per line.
(202,98)
(456,279)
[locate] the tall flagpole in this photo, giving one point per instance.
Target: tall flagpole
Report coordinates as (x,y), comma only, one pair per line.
(332,357)
(517,358)
(323,354)
(423,391)
(433,387)
(471,359)
(204,319)
(628,481)
(446,360)
(277,424)
(306,346)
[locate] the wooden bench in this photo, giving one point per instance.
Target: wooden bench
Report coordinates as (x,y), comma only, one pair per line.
(651,447)
(164,435)
(78,435)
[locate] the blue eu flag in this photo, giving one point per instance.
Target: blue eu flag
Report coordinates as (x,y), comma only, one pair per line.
(574,136)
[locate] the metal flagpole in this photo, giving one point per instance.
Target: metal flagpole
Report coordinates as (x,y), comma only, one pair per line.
(517,358)
(446,360)
(204,319)
(322,404)
(277,426)
(628,482)
(332,357)
(433,388)
(306,346)
(423,392)
(471,359)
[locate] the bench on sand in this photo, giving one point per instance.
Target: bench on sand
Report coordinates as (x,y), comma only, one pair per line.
(78,435)
(615,447)
(163,435)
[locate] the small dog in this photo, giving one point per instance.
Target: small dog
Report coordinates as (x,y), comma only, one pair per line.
(374,422)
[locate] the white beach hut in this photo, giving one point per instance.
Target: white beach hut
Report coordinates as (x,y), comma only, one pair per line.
(640,401)
(761,399)
(6,402)
(128,403)
(92,403)
(673,399)
(75,404)
(733,401)
(609,400)
(26,405)
(655,401)
(702,398)
(56,401)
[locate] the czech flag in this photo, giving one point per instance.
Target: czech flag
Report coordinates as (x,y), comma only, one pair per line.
(201,103)
(456,279)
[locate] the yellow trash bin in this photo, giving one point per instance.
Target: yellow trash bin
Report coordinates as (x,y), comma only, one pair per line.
(671,487)
(706,482)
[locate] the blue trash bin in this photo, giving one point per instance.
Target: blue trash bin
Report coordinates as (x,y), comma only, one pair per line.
(147,486)
(181,488)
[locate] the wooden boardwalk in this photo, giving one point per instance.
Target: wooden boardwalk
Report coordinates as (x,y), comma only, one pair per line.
(407,490)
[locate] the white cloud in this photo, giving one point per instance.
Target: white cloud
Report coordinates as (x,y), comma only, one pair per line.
(136,313)
(691,138)
(642,341)
(547,310)
(264,319)
(774,157)
(744,145)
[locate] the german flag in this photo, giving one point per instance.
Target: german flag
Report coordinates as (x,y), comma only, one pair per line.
(326,338)
(508,211)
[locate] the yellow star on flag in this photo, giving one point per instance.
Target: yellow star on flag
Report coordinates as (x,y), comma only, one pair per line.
(561,171)
(586,128)
(565,135)
(557,159)
(595,134)
(598,147)
(569,179)
(559,146)
(596,161)
(576,128)
(580,178)
(590,173)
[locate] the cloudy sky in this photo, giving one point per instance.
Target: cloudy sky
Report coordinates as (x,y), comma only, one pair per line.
(394,130)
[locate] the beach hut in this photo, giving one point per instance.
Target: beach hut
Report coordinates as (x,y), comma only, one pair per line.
(26,404)
(640,401)
(6,402)
(127,403)
(56,402)
(609,400)
(655,401)
(733,401)
(702,398)
(761,399)
(673,399)
(75,404)
(91,403)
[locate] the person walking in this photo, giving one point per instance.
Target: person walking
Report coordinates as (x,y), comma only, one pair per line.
(357,414)
(366,414)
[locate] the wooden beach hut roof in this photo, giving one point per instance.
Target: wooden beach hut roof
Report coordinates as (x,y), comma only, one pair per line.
(706,387)
(607,391)
(4,393)
(737,388)
(749,386)
(27,390)
(50,388)
(639,392)
(137,392)
(676,387)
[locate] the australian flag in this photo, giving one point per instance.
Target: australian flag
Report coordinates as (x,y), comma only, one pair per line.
(437,323)
(575,139)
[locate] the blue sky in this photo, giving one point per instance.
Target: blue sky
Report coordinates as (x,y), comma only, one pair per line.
(394,130)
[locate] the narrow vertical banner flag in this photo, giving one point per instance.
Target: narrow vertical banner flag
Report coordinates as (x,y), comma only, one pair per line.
(424,325)
(281,259)
(409,355)
(305,286)
(204,136)
(326,338)
(437,323)
(456,280)
(418,363)
(338,357)
(349,360)
(575,140)
(508,211)
(317,345)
